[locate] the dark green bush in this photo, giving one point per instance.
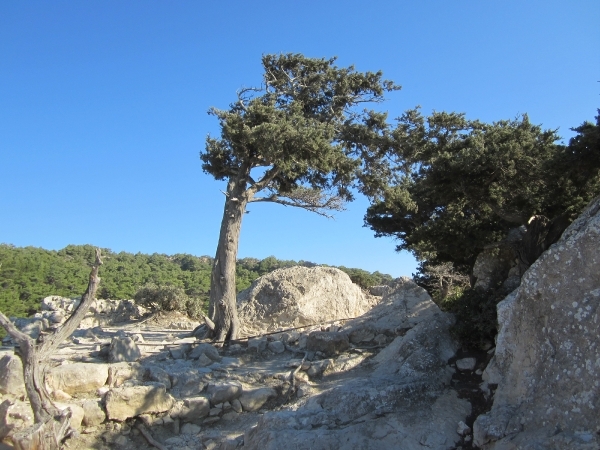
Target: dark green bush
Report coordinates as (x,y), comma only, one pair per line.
(476,319)
(162,298)
(196,308)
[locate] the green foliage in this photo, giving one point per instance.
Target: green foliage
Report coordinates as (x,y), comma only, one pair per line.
(29,274)
(476,318)
(366,279)
(442,281)
(302,128)
(161,298)
(456,185)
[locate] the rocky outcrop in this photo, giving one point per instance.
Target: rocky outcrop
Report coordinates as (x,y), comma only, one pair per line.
(300,296)
(379,381)
(401,399)
(547,360)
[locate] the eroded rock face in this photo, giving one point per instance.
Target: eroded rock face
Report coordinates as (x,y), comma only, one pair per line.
(300,296)
(547,360)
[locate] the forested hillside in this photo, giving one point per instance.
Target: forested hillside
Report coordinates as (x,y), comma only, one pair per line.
(28,274)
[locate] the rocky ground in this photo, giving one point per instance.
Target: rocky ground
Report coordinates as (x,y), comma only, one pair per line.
(386,375)
(388,379)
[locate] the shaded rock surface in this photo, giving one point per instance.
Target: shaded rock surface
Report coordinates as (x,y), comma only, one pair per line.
(299,296)
(547,359)
(327,342)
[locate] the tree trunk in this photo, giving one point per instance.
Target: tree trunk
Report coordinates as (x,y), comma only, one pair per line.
(223,310)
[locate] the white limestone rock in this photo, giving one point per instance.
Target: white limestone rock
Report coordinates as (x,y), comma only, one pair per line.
(547,358)
(123,349)
(402,399)
(299,296)
(14,416)
(77,378)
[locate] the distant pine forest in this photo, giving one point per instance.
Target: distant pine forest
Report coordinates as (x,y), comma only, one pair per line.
(28,274)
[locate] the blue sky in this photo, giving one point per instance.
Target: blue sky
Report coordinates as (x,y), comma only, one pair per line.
(103,107)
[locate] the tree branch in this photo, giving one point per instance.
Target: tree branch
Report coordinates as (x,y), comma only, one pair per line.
(240,95)
(310,199)
(264,181)
(52,342)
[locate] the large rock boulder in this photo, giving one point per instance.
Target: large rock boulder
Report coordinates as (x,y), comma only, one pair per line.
(123,349)
(400,399)
(299,296)
(547,360)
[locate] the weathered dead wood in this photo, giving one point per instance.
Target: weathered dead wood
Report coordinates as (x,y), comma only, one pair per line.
(51,426)
(292,376)
(44,435)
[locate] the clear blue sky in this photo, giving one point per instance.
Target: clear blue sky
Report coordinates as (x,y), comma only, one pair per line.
(103,107)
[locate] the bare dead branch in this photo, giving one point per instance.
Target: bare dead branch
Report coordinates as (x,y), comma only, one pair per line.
(241,98)
(52,342)
(312,200)
(10,328)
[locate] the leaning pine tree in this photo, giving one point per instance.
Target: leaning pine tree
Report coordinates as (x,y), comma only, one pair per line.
(298,140)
